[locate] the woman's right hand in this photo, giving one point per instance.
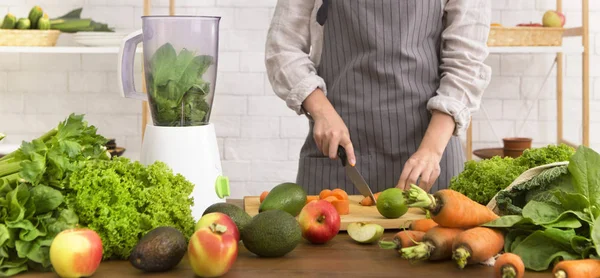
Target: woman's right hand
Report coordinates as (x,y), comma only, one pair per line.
(329,130)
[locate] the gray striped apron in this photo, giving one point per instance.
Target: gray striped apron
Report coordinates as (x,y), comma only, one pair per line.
(380,62)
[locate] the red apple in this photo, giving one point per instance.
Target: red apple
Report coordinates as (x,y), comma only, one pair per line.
(219,218)
(320,222)
(212,251)
(76,252)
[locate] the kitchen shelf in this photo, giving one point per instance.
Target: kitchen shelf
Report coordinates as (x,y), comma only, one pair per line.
(584,50)
(62,49)
(537,49)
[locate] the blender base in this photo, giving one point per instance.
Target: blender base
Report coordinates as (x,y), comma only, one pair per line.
(192,152)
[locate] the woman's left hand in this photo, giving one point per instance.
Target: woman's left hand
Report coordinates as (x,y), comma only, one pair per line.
(424,164)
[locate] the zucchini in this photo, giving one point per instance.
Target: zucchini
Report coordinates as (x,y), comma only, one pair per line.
(9,22)
(44,23)
(23,23)
(34,16)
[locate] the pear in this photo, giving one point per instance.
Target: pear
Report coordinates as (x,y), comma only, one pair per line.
(365,232)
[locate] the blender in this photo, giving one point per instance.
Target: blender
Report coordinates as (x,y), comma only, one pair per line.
(180,66)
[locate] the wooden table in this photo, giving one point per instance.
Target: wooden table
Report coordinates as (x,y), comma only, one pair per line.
(341,257)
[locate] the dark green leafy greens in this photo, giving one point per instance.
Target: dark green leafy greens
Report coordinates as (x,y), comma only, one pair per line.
(177,91)
(555,215)
(481,180)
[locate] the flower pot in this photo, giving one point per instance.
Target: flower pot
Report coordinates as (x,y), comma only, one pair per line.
(517,143)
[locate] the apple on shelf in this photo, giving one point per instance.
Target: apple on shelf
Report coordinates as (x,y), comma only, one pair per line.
(553,19)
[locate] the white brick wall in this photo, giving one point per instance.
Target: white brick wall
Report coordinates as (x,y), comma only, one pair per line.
(259,137)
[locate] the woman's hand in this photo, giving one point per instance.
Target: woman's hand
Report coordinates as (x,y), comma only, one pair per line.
(425,162)
(329,130)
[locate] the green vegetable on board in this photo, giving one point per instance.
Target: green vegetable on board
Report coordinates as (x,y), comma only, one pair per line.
(9,22)
(34,16)
(557,213)
(176,89)
(481,180)
(23,24)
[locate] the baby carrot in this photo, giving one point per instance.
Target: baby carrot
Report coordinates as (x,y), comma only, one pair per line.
(436,245)
(422,225)
(341,206)
(509,265)
(584,268)
(476,245)
(402,239)
(450,208)
(263,195)
(324,194)
(367,201)
(340,194)
(311,198)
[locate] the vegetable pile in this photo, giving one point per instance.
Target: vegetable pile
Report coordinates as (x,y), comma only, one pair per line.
(176,89)
(555,215)
(71,22)
(481,180)
(66,178)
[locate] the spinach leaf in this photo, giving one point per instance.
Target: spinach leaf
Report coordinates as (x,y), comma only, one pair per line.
(582,245)
(595,235)
(163,63)
(548,213)
(541,248)
(46,198)
(584,166)
(507,221)
(514,236)
(567,221)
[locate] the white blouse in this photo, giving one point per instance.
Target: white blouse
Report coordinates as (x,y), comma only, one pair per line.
(294,45)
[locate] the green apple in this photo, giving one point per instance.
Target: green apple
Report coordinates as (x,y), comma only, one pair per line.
(365,232)
(553,19)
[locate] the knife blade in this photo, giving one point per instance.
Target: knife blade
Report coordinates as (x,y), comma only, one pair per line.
(354,176)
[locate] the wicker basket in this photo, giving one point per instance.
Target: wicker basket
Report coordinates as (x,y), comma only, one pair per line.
(28,37)
(525,36)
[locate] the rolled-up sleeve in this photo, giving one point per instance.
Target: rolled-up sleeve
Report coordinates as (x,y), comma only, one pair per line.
(290,70)
(464,74)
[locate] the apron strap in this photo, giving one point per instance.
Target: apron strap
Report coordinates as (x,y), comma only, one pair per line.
(322,13)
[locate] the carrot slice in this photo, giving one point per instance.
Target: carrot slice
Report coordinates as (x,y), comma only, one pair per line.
(341,206)
(263,195)
(331,199)
(324,194)
(311,198)
(340,194)
(367,200)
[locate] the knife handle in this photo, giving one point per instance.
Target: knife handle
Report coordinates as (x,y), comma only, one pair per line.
(342,155)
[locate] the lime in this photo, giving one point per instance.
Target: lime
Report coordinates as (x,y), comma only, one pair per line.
(391,203)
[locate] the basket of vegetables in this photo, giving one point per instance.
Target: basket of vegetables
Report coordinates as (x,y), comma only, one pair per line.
(37,29)
(33,30)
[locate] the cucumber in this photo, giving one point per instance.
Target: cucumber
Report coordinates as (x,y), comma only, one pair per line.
(44,23)
(9,22)
(23,23)
(34,16)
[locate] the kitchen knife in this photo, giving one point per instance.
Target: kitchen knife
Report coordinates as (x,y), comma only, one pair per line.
(352,173)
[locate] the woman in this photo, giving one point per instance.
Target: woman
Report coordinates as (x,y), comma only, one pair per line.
(394,82)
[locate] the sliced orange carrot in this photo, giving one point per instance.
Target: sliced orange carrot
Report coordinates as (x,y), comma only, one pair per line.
(341,206)
(311,198)
(331,199)
(367,200)
(340,194)
(324,194)
(263,195)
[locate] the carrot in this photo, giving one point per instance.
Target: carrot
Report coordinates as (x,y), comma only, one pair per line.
(324,194)
(341,206)
(422,225)
(331,199)
(263,195)
(450,208)
(402,239)
(584,268)
(436,245)
(340,194)
(310,198)
(367,201)
(509,265)
(476,245)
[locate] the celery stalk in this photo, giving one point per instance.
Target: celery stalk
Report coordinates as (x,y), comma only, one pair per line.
(10,169)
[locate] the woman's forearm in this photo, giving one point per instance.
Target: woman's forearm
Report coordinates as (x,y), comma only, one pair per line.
(317,104)
(439,132)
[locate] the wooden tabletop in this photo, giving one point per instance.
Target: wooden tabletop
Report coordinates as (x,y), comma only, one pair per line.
(341,257)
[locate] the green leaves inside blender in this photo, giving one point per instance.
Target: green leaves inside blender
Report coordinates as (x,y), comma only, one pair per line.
(177,90)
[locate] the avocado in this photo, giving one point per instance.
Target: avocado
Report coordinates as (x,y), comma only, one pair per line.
(272,233)
(237,214)
(288,197)
(159,250)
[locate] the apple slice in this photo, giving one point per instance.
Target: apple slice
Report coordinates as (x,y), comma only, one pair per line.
(365,232)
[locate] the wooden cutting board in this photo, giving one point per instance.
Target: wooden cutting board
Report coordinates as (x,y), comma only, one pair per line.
(358,213)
